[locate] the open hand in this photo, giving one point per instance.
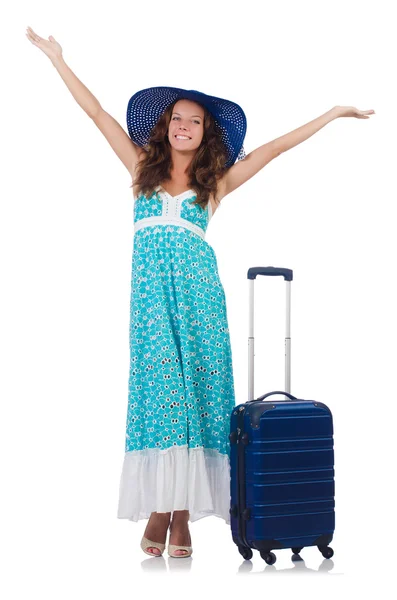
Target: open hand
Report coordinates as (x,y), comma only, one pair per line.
(351,111)
(51,48)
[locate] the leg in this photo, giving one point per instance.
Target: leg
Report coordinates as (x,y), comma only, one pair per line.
(179,531)
(156,530)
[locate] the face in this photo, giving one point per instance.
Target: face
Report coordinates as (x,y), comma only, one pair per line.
(186,128)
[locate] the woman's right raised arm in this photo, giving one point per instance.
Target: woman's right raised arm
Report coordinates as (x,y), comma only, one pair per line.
(128,152)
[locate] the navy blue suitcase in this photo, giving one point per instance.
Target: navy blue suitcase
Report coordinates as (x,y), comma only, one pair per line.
(282,462)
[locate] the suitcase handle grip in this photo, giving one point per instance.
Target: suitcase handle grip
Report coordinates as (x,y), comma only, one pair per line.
(274,271)
(271,394)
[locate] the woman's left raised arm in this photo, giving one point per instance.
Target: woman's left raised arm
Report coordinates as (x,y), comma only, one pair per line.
(243,170)
(289,140)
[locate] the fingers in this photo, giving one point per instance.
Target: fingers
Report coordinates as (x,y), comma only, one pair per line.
(363,114)
(33,37)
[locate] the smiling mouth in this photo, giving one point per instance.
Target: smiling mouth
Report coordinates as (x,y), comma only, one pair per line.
(182,137)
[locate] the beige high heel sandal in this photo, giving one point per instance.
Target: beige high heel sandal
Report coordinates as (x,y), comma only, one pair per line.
(172,548)
(146,543)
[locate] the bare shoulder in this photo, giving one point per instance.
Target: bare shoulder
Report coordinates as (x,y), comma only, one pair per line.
(139,154)
(126,150)
(221,193)
(134,170)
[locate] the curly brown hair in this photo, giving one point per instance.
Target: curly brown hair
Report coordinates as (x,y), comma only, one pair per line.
(205,170)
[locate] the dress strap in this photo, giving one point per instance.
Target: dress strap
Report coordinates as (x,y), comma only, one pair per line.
(209,209)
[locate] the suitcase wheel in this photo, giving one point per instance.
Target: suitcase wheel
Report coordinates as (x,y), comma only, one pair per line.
(326,551)
(245,552)
(268,557)
(296,550)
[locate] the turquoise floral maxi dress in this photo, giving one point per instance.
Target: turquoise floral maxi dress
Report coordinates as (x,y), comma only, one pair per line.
(180,388)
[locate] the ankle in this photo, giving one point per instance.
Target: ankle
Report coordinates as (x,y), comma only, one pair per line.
(180,516)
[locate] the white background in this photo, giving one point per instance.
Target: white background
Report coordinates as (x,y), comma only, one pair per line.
(324,209)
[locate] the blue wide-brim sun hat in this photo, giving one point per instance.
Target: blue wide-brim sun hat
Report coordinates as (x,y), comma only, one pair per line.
(146,107)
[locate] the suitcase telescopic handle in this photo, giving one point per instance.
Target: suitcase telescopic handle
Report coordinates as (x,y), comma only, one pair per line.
(272,394)
(272,271)
(251,275)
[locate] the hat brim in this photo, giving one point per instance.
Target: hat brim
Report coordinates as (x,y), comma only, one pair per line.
(146,107)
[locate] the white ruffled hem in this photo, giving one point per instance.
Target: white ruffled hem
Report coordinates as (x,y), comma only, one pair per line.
(178,478)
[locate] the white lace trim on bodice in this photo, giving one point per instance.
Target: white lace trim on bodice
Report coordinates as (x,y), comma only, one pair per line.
(152,221)
(171,213)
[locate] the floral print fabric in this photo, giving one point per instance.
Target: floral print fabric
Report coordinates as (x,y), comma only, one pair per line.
(180,388)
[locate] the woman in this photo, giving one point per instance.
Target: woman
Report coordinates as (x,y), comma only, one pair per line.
(181,153)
